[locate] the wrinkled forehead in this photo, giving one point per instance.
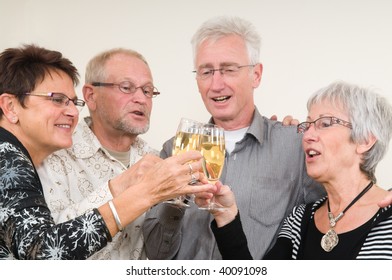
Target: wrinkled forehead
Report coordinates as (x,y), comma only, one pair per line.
(128,68)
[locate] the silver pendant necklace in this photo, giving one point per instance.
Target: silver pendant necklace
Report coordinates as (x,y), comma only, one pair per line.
(331,239)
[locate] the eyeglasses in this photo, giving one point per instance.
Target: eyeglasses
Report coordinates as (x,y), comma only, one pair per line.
(130,88)
(226,70)
(59,99)
(322,123)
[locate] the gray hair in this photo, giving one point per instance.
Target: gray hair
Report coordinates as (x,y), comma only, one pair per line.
(96,71)
(369,114)
(219,27)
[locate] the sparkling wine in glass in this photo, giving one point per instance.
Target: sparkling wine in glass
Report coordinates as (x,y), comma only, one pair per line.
(186,139)
(212,147)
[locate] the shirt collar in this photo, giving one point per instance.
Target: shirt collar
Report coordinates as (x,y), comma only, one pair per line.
(256,127)
(85,143)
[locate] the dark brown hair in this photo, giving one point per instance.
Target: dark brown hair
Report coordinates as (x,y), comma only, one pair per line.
(21,69)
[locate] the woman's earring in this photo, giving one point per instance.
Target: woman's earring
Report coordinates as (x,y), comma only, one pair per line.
(14,119)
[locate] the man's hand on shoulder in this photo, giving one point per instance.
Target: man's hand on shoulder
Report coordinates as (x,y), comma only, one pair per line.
(287,120)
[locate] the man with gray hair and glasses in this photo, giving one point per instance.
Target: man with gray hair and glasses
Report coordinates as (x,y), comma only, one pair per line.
(119,92)
(264,162)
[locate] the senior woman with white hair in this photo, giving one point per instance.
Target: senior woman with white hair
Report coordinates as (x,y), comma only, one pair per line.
(346,134)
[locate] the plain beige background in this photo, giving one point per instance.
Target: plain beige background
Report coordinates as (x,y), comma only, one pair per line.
(305,46)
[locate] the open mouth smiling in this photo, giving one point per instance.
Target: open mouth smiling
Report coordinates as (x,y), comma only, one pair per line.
(221,98)
(63,125)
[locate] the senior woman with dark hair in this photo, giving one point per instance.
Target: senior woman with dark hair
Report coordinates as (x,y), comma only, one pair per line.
(38,113)
(346,134)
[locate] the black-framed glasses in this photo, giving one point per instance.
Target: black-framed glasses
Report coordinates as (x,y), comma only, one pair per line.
(130,88)
(322,123)
(59,98)
(230,70)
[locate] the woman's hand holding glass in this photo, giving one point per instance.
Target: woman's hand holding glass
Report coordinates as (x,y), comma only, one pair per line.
(223,196)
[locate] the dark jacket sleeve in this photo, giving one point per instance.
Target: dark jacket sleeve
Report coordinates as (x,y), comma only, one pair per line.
(231,240)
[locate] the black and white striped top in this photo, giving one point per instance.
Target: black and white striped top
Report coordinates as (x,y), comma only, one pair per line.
(373,240)
(300,239)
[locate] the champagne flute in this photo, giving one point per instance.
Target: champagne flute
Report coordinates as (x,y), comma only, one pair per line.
(212,147)
(186,139)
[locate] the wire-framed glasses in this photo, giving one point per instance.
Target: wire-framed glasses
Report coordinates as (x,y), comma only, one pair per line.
(130,88)
(322,123)
(59,98)
(230,70)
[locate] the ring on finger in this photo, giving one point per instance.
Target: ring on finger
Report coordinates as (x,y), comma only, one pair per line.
(190,168)
(193,180)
